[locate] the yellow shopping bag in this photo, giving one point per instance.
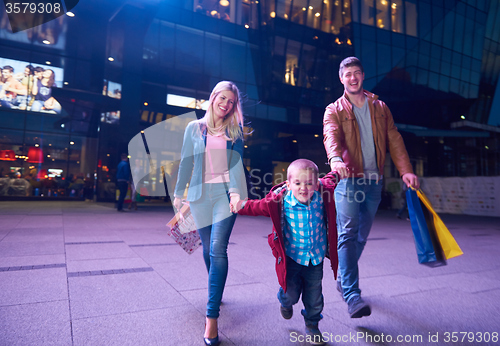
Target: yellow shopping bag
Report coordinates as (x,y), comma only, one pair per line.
(448,243)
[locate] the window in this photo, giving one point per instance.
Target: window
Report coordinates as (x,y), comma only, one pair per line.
(383,14)
(411,18)
(292,64)
(397,15)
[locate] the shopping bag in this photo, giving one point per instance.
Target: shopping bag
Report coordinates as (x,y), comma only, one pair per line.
(446,240)
(428,248)
(183,230)
(127,199)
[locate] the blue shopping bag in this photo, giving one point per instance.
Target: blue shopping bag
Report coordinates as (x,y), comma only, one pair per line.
(429,251)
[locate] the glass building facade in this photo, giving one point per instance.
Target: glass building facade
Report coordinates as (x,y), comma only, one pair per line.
(119,67)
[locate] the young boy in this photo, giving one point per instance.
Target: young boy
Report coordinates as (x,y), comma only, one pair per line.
(302,211)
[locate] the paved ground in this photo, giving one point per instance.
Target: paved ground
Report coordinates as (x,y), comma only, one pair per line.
(79,273)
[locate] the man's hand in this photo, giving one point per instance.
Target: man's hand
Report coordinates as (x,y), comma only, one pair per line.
(411,180)
(339,167)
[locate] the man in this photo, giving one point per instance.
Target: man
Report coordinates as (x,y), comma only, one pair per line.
(11,88)
(358,129)
(122,180)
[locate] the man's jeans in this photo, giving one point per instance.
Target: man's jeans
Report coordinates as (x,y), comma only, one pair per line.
(122,187)
(305,280)
(356,202)
(214,221)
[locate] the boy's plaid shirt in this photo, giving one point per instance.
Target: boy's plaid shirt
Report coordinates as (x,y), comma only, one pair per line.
(305,229)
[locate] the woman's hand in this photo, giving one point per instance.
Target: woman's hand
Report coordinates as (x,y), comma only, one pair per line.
(177,203)
(233,204)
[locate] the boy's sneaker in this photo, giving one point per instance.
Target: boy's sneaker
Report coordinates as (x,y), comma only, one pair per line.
(287,313)
(357,307)
(314,336)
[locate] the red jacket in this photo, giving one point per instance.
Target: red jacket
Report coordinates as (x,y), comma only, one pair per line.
(272,206)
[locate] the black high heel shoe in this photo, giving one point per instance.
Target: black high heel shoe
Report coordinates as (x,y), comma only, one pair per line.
(212,341)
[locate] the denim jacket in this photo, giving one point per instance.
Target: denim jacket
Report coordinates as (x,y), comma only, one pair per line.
(192,163)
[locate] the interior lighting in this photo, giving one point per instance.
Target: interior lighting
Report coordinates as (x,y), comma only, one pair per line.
(486,147)
(349,42)
(70,14)
(35,155)
(383,2)
(462,117)
(303,8)
(295,141)
(317,14)
(37,145)
(316,135)
(145,103)
(213,13)
(273,14)
(72,143)
(8,155)
(111,58)
(48,62)
(247,26)
(46,42)
(224,3)
(310,7)
(66,83)
(394,5)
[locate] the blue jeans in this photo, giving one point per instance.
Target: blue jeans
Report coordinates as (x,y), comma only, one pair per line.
(214,221)
(305,280)
(356,201)
(122,187)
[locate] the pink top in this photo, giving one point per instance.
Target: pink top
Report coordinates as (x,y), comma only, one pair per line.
(216,170)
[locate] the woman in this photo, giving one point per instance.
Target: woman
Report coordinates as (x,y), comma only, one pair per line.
(42,90)
(213,146)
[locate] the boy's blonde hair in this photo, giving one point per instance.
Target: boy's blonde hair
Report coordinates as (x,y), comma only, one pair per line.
(302,164)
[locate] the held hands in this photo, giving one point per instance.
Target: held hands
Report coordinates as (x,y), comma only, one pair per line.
(339,167)
(235,203)
(411,180)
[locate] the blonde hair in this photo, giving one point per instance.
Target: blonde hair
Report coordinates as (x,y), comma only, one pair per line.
(233,122)
(299,164)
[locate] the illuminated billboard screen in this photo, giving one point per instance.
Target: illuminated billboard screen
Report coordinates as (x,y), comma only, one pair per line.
(186,102)
(27,86)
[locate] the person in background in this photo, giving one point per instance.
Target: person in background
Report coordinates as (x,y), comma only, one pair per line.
(42,90)
(122,180)
(11,88)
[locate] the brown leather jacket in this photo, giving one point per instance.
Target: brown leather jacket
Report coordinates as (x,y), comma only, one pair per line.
(342,139)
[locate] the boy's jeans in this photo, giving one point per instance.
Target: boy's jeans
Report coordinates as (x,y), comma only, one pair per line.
(305,280)
(356,202)
(215,222)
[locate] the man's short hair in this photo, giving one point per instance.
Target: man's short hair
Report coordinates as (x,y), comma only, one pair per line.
(348,62)
(124,156)
(301,164)
(8,68)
